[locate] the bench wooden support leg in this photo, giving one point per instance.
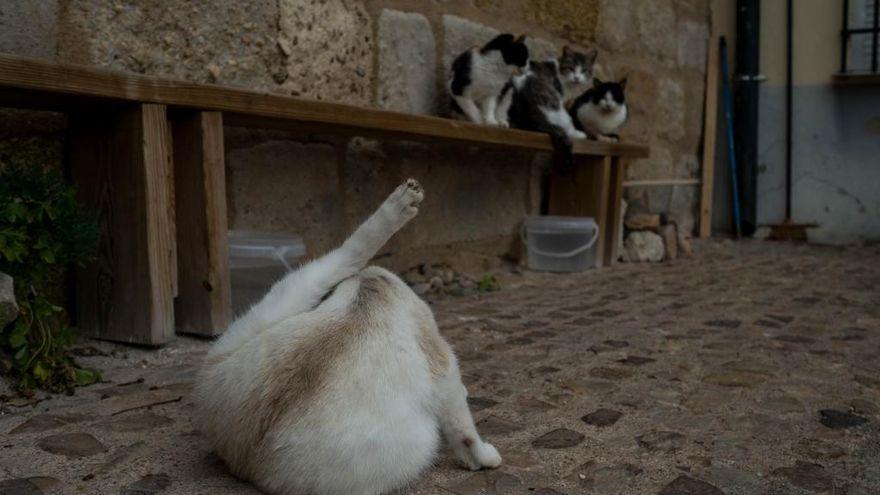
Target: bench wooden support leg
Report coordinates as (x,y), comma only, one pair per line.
(121,165)
(584,192)
(615,205)
(203,305)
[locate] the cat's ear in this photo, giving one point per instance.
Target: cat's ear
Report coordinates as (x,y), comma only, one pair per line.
(597,82)
(566,51)
(591,56)
(521,39)
(622,83)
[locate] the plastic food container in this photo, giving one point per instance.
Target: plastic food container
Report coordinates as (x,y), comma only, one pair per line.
(257,260)
(560,244)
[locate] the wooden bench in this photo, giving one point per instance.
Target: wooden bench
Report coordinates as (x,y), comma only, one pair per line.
(147,154)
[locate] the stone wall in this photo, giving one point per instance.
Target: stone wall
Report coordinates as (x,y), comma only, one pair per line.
(392,54)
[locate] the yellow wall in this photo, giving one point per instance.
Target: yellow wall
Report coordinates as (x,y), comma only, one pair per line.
(817,26)
(816,38)
(724,23)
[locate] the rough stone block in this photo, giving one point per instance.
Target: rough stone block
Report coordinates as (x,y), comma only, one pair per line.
(368,175)
(693,38)
(286,186)
(641,96)
(29,27)
(687,167)
(615,25)
(407,73)
(684,219)
(670,241)
(656,22)
(655,199)
(573,20)
(659,165)
(671,104)
(540,49)
(460,34)
(8,307)
(328,47)
(642,221)
(683,203)
(643,245)
(219,41)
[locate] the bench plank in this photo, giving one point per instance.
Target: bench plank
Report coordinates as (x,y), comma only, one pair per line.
(41,83)
(121,164)
(203,305)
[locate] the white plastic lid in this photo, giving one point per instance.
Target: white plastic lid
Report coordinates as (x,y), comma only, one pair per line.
(251,248)
(557,224)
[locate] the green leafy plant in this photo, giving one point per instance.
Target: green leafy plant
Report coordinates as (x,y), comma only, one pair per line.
(43,232)
(488,283)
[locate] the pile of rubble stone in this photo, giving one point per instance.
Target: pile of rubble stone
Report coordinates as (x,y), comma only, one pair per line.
(654,237)
(438,278)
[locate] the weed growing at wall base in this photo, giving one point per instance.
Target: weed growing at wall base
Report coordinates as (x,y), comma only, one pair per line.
(43,232)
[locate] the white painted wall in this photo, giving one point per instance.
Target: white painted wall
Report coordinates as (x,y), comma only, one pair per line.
(836,133)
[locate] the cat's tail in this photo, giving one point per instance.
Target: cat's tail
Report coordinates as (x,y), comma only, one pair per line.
(563,159)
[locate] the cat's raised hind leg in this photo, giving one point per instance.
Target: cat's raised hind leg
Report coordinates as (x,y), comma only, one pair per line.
(458,427)
(303,289)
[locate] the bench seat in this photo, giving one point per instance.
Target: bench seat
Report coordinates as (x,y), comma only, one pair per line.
(147,154)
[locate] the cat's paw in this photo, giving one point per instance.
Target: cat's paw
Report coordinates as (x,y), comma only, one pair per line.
(607,138)
(413,194)
(404,201)
(504,124)
(478,455)
(578,135)
(487,455)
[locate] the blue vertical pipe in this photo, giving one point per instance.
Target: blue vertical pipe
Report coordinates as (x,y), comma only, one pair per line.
(728,115)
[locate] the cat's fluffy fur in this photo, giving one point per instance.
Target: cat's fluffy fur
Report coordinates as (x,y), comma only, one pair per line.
(601,110)
(338,381)
(479,75)
(534,102)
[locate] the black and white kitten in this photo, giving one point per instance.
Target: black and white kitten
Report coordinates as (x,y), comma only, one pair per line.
(576,71)
(601,110)
(479,75)
(534,102)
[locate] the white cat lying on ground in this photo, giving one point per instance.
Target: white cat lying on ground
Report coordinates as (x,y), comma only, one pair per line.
(338,381)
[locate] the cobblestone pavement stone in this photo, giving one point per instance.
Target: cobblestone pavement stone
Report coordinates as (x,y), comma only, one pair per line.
(752,368)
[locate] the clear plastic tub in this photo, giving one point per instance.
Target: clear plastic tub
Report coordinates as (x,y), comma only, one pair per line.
(560,244)
(257,260)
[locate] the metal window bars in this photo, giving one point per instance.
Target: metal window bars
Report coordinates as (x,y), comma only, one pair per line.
(869,7)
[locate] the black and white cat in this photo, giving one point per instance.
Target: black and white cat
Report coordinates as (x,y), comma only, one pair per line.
(576,71)
(601,110)
(534,102)
(479,75)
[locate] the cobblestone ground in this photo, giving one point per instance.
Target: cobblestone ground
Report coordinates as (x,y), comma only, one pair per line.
(752,368)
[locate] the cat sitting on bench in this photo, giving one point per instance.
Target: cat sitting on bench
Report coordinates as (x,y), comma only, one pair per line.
(338,381)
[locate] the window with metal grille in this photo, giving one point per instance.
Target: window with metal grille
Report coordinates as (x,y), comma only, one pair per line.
(859,37)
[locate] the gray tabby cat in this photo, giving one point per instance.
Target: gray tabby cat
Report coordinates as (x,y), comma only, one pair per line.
(535,102)
(576,71)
